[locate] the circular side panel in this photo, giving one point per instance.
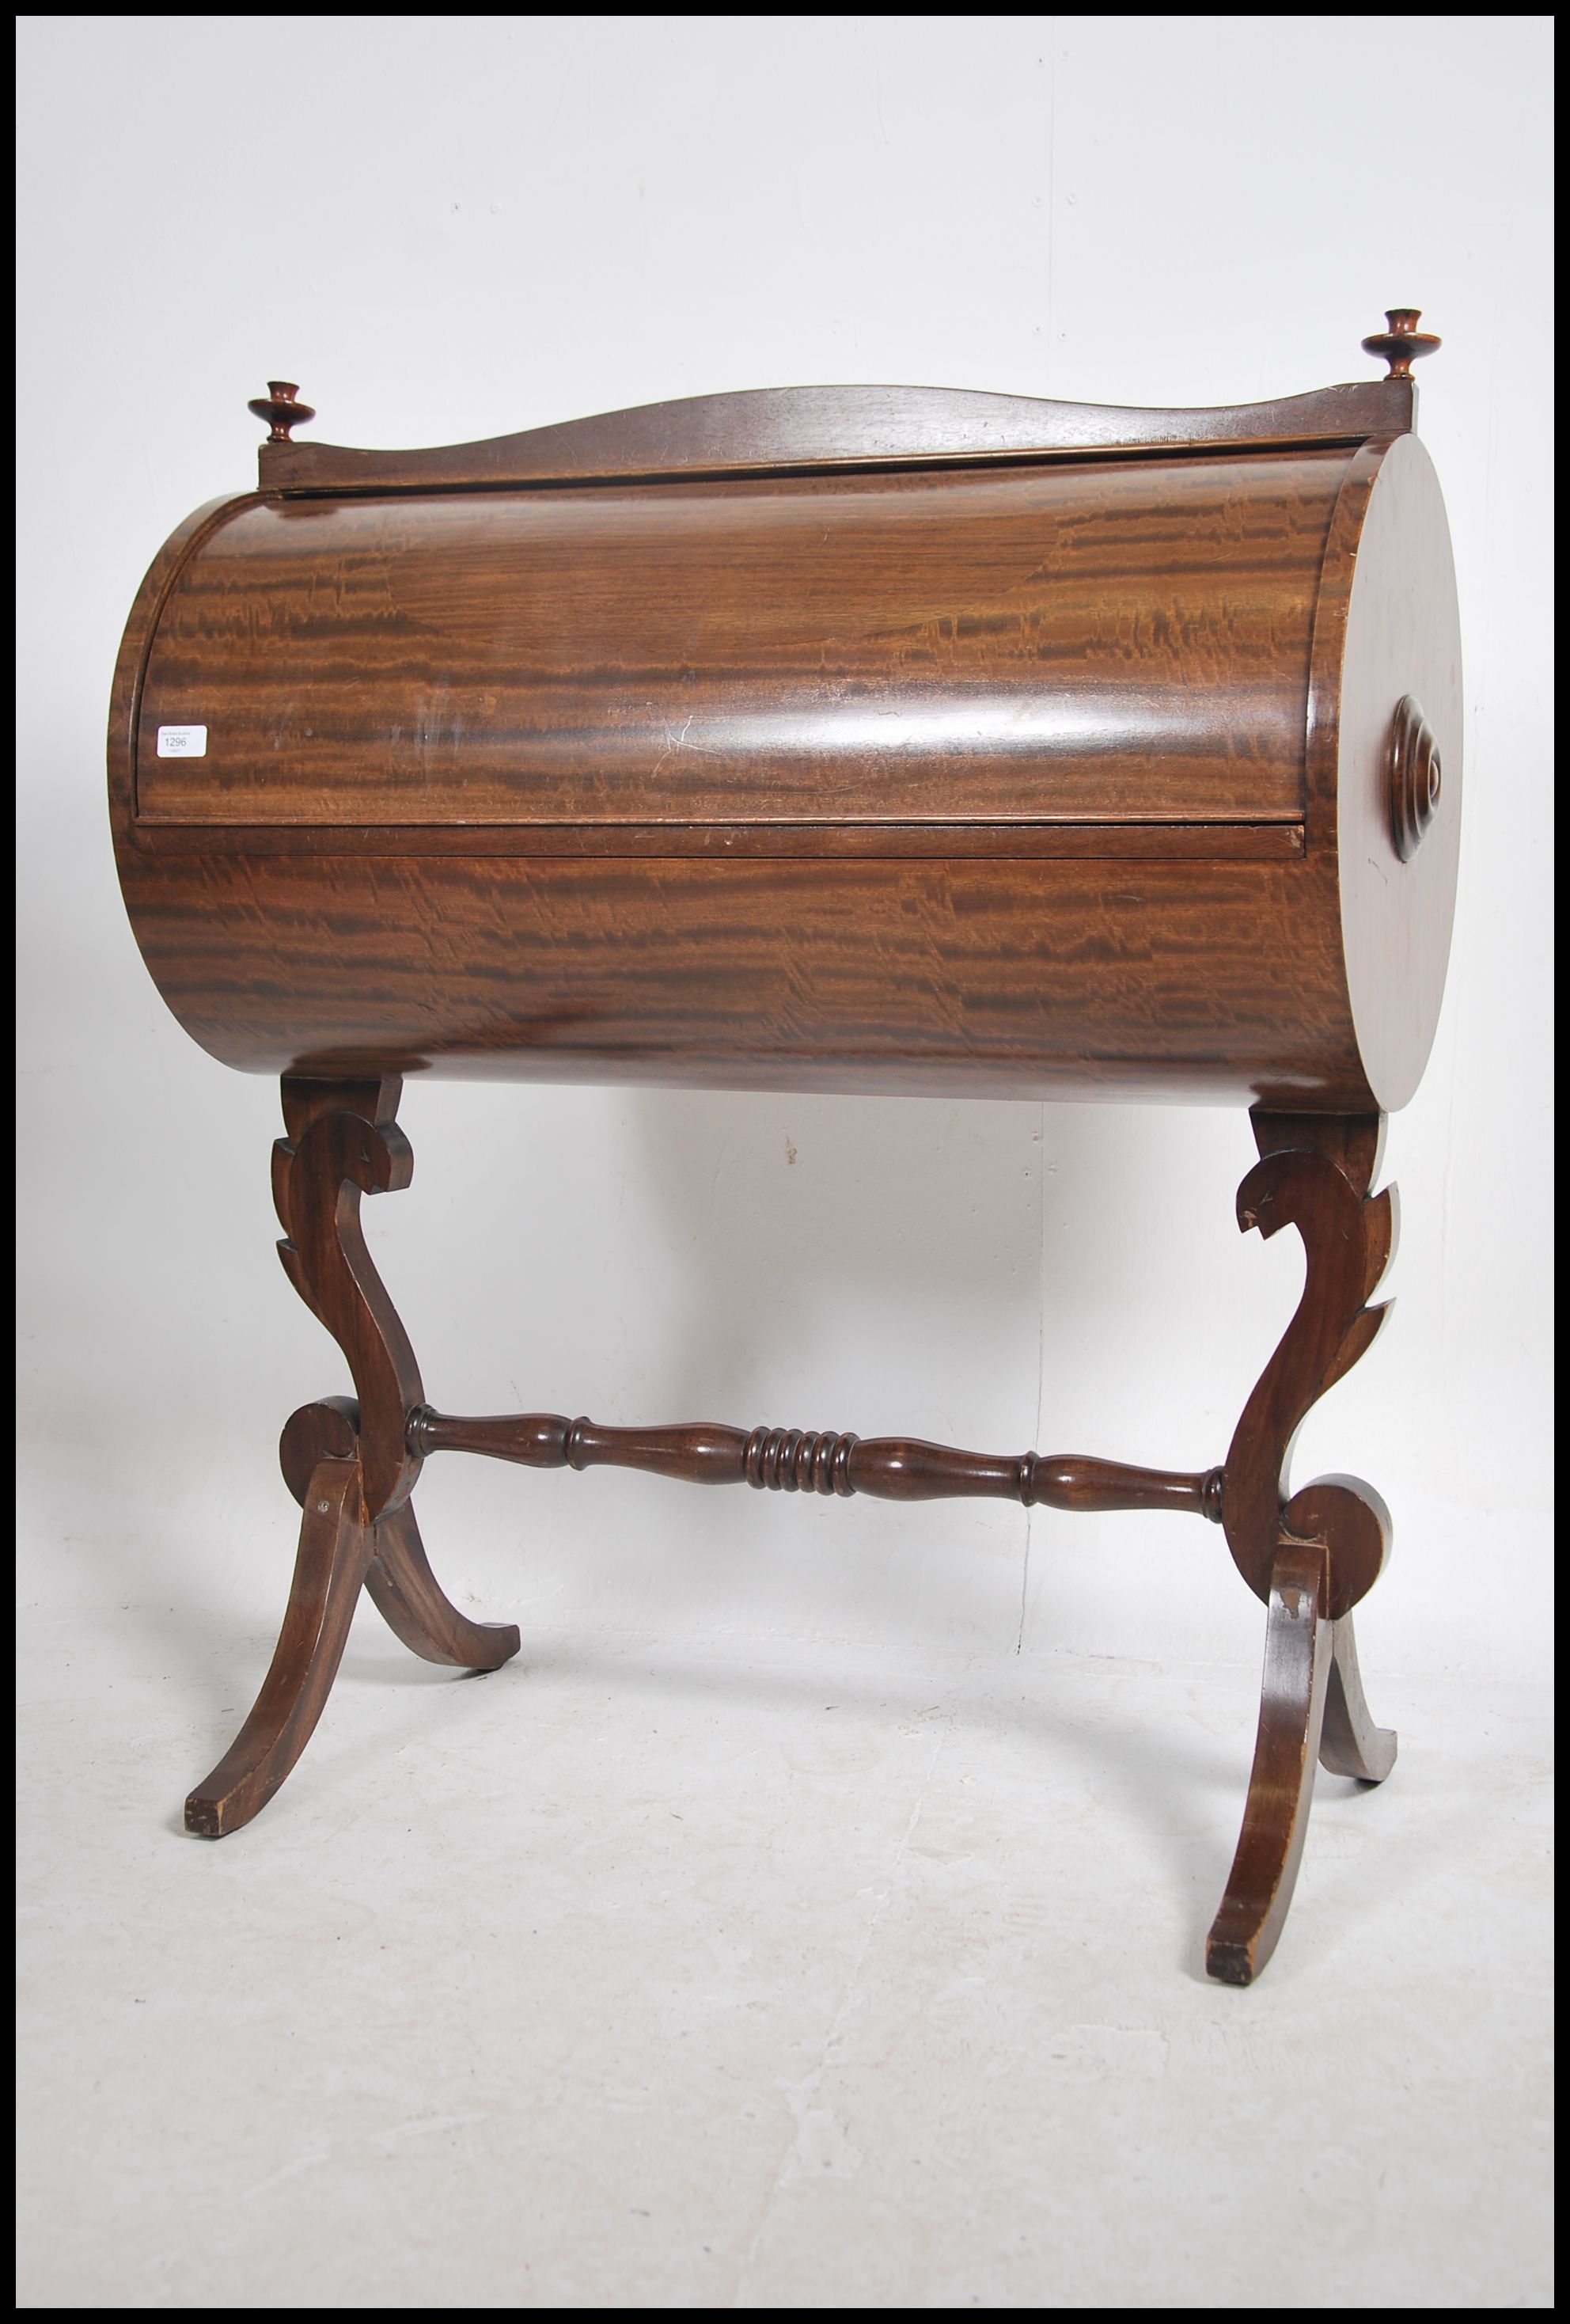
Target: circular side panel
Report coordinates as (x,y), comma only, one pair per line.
(1403,640)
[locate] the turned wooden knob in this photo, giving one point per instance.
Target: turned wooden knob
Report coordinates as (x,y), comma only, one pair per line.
(278,407)
(1401,344)
(1414,777)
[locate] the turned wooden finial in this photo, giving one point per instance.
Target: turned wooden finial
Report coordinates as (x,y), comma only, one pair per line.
(280,408)
(1402,345)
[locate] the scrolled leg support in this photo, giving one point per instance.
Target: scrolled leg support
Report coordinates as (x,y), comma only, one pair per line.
(1313,1554)
(336,1543)
(347,1460)
(1351,1744)
(1275,1817)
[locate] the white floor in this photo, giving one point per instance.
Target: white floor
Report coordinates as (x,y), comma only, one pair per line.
(764,1972)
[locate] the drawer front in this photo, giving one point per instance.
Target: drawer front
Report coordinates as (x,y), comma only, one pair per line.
(1117,642)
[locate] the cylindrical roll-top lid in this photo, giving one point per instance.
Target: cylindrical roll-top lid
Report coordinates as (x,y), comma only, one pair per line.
(1108,643)
(873,626)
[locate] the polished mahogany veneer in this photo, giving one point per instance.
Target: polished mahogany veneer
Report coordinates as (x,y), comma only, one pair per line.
(850,739)
(1050,772)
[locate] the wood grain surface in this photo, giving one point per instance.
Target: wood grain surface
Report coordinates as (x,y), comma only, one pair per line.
(1019,777)
(1107,643)
(1191,980)
(999,841)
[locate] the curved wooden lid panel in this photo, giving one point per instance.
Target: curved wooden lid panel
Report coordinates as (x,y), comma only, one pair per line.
(1118,642)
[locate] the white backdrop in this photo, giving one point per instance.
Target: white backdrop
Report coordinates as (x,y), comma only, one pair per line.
(446,228)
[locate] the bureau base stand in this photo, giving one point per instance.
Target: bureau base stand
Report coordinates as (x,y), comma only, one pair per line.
(352,1464)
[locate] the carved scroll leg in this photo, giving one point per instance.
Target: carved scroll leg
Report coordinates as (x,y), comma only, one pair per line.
(1298,1655)
(417,1608)
(1351,1744)
(336,1548)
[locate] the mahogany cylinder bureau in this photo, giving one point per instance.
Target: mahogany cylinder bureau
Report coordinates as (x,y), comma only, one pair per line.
(825,738)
